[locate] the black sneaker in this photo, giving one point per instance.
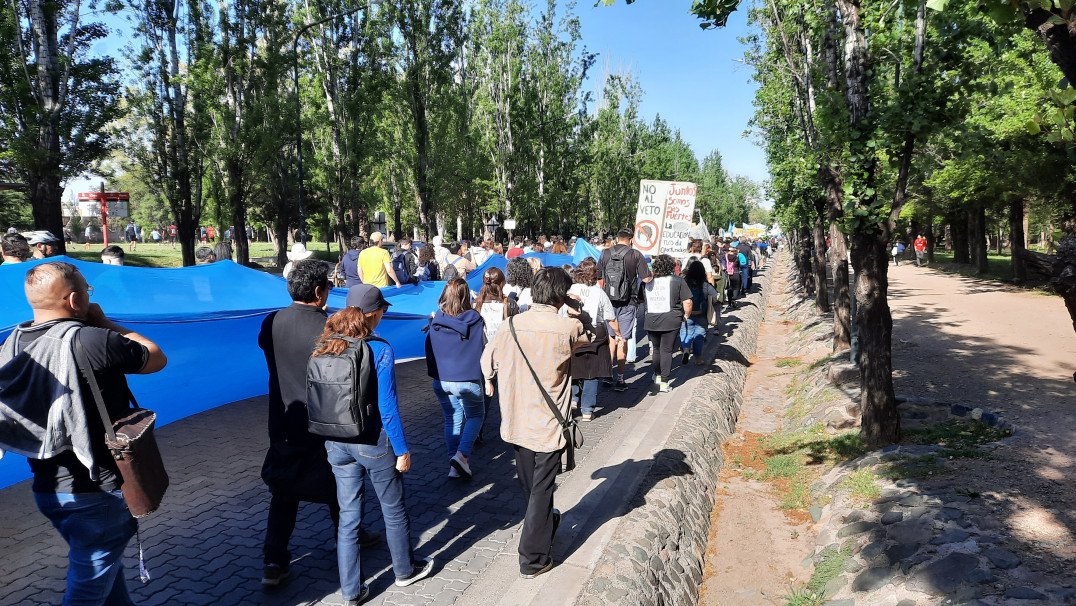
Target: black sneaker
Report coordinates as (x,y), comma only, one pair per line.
(687,356)
(531,575)
(364,594)
(422,569)
(621,386)
(607,382)
(274,574)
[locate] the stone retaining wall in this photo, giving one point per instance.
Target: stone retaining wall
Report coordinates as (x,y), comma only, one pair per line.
(656,555)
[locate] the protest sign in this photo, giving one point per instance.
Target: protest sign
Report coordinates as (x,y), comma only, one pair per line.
(663,217)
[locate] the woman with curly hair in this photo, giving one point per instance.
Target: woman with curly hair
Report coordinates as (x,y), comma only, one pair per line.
(427,267)
(668,305)
(518,276)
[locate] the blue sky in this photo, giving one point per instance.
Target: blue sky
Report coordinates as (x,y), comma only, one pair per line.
(689,76)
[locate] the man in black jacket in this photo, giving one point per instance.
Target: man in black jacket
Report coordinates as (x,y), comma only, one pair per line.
(296,467)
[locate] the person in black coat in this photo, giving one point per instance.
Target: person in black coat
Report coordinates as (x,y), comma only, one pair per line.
(296,467)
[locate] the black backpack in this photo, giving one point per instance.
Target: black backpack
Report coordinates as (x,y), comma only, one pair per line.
(615,276)
(341,394)
(400,266)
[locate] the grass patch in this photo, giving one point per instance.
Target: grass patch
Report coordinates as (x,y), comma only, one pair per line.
(913,467)
(862,486)
(783,466)
(830,561)
(819,363)
(790,461)
(956,434)
(788,362)
(151,255)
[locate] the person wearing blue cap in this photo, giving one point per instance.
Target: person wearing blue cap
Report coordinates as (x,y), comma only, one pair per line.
(384,462)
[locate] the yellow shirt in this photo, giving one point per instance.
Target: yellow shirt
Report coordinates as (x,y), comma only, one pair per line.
(372,263)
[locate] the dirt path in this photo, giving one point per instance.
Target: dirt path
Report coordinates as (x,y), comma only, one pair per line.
(1009,351)
(956,340)
(754,555)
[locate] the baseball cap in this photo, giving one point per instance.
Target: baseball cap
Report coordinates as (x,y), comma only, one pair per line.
(366,297)
(376,236)
(40,237)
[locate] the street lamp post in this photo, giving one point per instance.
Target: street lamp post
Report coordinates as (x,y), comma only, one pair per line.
(491,226)
(299,109)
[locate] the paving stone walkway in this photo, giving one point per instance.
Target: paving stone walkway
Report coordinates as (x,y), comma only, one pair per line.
(204,545)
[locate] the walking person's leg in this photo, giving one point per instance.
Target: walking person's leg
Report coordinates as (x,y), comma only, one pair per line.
(589,400)
(279,526)
(537,473)
(668,343)
(471,399)
(350,489)
(97,528)
(453,411)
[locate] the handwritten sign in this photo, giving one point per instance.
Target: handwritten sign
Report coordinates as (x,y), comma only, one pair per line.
(663,217)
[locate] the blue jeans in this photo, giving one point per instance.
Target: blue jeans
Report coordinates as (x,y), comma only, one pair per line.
(464,406)
(693,335)
(590,396)
(97,527)
(351,464)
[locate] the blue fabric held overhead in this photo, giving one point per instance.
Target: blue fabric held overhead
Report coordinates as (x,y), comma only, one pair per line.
(584,249)
(551,260)
(206,319)
(474,279)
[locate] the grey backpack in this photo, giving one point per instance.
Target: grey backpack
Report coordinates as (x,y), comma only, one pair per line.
(341,394)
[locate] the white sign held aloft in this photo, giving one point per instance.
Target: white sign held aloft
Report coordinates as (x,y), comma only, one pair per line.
(663,218)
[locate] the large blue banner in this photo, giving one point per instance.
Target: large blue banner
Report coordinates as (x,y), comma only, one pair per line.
(206,319)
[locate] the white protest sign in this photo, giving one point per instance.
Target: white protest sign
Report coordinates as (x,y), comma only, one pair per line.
(663,218)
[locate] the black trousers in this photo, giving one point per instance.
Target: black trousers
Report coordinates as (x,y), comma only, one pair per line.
(537,473)
(283,509)
(662,346)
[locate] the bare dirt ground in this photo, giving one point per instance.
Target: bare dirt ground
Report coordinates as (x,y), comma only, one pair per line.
(957,340)
(756,551)
(1008,351)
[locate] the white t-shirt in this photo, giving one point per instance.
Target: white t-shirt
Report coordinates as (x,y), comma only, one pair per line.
(479,255)
(595,302)
(523,295)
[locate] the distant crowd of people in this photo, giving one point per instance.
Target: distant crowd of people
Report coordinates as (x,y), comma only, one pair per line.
(536,342)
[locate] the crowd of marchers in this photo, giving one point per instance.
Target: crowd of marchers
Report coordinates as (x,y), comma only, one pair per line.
(534,342)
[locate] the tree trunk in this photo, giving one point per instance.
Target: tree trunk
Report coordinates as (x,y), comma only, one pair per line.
(821,295)
(803,256)
(1017,220)
(977,225)
(880,423)
(838,260)
(958,229)
(928,233)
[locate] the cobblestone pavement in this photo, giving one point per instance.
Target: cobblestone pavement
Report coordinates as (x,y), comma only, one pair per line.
(204,545)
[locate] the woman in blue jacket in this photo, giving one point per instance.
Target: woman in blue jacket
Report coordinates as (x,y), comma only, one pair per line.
(383,462)
(453,353)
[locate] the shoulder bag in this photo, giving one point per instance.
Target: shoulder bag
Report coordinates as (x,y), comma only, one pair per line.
(131,442)
(573,436)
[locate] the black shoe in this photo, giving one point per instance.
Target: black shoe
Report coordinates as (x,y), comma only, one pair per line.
(620,386)
(531,575)
(607,382)
(364,594)
(687,356)
(422,569)
(556,525)
(369,539)
(274,574)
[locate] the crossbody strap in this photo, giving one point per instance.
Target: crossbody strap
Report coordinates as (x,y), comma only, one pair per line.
(83,363)
(541,388)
